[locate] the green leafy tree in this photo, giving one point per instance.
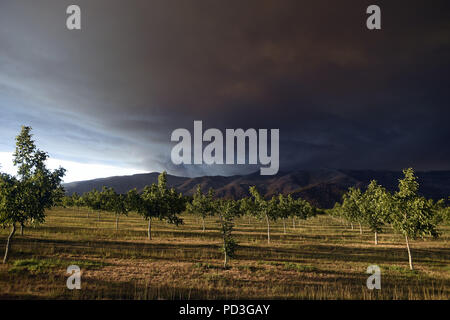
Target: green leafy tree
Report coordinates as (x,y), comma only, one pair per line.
(247,208)
(85,198)
(411,214)
(91,200)
(36,188)
(158,202)
(146,205)
(265,209)
(227,210)
(302,209)
(67,202)
(104,198)
(374,206)
(115,203)
(77,201)
(11,210)
(370,208)
(295,209)
(441,213)
(285,208)
(94,202)
(202,204)
(120,207)
(350,209)
(170,203)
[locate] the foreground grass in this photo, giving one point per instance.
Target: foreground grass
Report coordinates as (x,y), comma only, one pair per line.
(319,259)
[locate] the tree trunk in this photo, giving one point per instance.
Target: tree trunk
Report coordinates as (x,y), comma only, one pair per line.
(293,222)
(360,228)
(225,260)
(8,243)
(203,224)
(351,223)
(117,222)
(409,253)
(149,229)
(98,216)
(268,228)
(284,225)
(376,238)
(21,229)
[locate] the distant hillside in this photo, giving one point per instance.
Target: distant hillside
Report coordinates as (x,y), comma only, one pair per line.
(321,187)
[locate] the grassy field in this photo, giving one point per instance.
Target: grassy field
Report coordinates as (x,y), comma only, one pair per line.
(319,259)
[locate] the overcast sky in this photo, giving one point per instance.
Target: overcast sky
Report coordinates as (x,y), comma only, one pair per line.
(104,100)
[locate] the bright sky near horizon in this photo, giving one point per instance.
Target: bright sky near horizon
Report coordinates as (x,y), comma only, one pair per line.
(76,171)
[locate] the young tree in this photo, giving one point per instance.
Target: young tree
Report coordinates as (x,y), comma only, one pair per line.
(336,211)
(157,201)
(92,200)
(11,211)
(77,201)
(84,201)
(96,203)
(373,206)
(350,209)
(227,211)
(247,208)
(104,198)
(35,189)
(288,207)
(441,213)
(145,204)
(170,203)
(285,208)
(267,209)
(302,209)
(114,202)
(411,215)
(67,202)
(121,207)
(201,204)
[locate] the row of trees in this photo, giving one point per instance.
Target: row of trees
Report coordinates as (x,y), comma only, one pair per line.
(154,202)
(159,202)
(278,207)
(407,212)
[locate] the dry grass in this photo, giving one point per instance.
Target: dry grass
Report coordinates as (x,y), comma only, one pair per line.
(319,259)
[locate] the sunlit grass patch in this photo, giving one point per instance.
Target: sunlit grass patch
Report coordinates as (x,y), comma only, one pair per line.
(43,265)
(299,267)
(404,271)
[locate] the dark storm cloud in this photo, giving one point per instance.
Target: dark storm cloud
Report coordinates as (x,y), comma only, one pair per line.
(341,95)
